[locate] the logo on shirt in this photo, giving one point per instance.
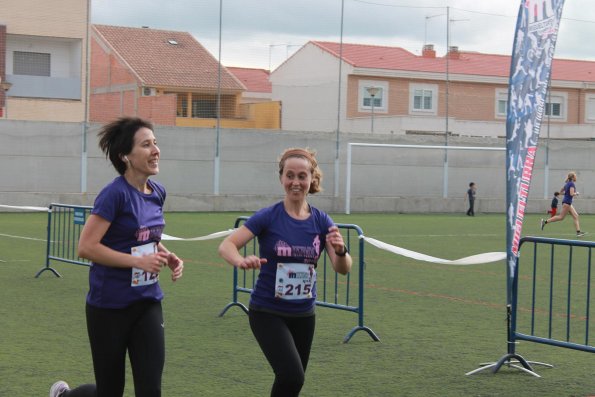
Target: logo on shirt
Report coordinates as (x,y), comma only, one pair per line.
(145,233)
(309,253)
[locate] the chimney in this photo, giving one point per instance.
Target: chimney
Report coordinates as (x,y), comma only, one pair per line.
(428,51)
(453,52)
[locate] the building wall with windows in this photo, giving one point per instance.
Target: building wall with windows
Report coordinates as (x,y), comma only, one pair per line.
(45,59)
(415,101)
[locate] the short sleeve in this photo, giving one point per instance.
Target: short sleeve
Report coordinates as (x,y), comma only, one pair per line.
(258,221)
(107,202)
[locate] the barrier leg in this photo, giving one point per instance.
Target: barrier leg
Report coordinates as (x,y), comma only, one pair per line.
(47,248)
(234,295)
(361,328)
(230,305)
(51,269)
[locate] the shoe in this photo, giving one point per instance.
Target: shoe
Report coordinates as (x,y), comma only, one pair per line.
(542,224)
(58,388)
(580,234)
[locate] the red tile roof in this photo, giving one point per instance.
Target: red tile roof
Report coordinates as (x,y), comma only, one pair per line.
(468,63)
(255,80)
(165,58)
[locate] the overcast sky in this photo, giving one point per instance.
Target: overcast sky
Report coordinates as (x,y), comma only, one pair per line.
(263,33)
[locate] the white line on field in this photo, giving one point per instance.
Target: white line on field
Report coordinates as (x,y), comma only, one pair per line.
(22,237)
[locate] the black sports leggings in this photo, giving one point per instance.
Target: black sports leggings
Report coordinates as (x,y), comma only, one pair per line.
(138,330)
(286,343)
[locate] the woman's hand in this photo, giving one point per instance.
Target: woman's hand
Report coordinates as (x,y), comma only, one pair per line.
(176,265)
(152,263)
(251,262)
(335,238)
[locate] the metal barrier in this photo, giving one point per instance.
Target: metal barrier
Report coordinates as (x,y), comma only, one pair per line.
(560,294)
(551,299)
(330,286)
(65,223)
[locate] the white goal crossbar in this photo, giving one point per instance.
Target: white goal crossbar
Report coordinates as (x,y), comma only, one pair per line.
(350,146)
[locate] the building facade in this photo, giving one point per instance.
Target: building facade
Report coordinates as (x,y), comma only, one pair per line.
(374,89)
(168,77)
(43,57)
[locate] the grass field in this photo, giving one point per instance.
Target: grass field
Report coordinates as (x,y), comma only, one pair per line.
(435,322)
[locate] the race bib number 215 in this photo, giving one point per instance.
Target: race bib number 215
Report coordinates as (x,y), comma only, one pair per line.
(294,281)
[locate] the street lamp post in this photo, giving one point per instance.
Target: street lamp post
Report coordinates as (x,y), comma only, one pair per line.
(372,91)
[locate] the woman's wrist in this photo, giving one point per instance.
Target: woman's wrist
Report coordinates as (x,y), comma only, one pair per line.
(342,253)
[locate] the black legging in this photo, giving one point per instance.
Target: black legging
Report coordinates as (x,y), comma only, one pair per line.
(286,343)
(138,330)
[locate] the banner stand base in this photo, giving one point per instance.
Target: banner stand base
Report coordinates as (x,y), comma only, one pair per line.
(511,360)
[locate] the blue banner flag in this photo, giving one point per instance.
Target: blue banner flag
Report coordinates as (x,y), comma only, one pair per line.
(530,68)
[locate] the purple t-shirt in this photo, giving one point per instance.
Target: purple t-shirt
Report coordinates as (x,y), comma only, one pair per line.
(136,219)
(567,196)
(284,239)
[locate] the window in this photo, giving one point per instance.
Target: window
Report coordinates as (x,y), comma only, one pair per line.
(375,100)
(590,108)
(31,63)
(555,106)
(501,102)
(373,94)
(182,110)
(204,108)
(423,98)
(553,109)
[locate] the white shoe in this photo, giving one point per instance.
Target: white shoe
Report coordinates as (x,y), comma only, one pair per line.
(58,388)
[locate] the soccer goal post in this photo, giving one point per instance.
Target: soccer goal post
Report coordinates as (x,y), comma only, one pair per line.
(446,149)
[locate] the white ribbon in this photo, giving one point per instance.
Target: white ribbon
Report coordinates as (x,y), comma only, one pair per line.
(469,260)
(487,257)
(15,207)
(207,237)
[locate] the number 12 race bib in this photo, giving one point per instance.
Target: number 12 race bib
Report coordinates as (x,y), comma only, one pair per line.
(139,276)
(294,281)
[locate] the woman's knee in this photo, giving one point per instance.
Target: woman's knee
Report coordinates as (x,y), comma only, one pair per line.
(288,384)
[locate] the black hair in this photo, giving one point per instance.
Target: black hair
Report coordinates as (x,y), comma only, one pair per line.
(116,139)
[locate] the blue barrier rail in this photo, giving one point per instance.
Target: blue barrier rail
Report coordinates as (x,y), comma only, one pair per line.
(556,291)
(64,226)
(550,300)
(334,290)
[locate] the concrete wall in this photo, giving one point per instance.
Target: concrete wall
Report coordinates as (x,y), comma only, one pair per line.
(42,162)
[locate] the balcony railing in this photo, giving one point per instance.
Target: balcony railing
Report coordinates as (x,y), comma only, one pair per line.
(44,87)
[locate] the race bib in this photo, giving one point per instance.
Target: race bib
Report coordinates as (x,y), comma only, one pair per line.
(139,276)
(294,281)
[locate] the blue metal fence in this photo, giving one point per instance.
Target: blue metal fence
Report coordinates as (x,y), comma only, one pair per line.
(556,291)
(334,290)
(551,299)
(64,226)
